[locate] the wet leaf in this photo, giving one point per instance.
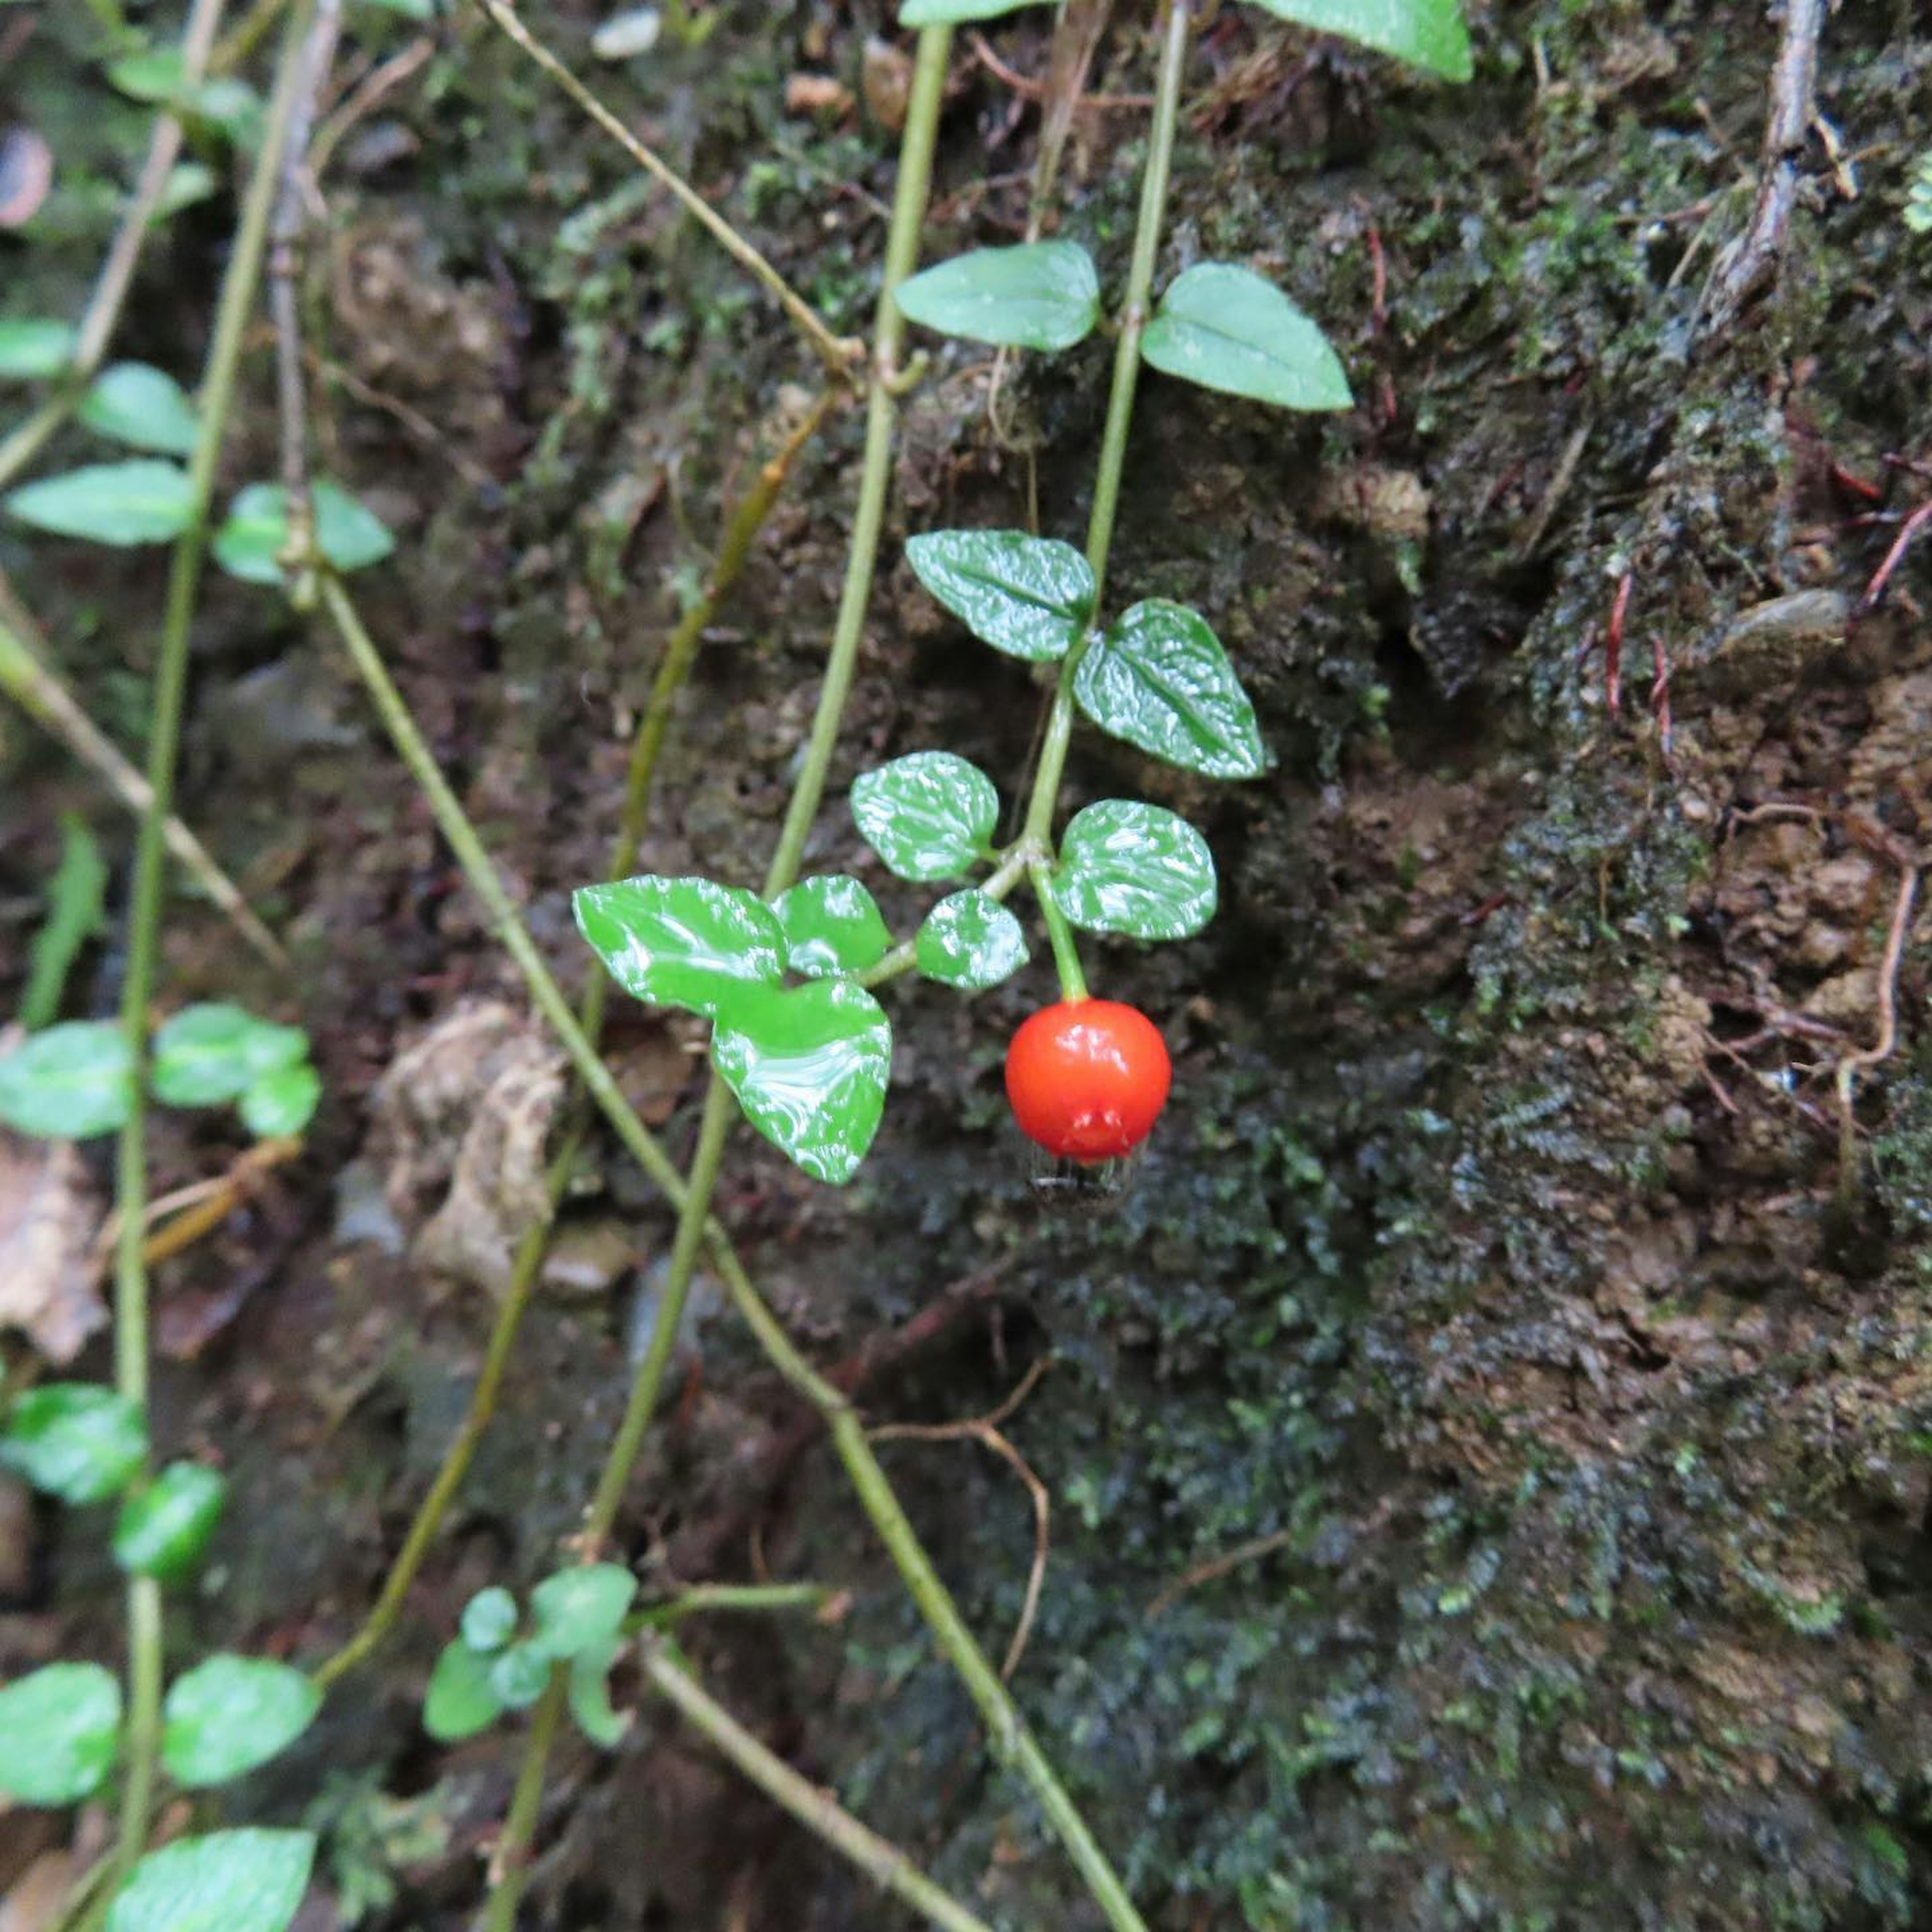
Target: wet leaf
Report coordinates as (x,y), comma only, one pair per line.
(1429,33)
(141,406)
(1037,294)
(928,815)
(1028,596)
(460,1700)
(229,1715)
(215,1052)
(246,1881)
(163,1528)
(1222,327)
(686,942)
(489,1620)
(74,1440)
(68,1082)
(1160,679)
(32,349)
(255,531)
(809,1067)
(1134,869)
(282,1103)
(59,1729)
(970,941)
(142,501)
(831,926)
(580,1607)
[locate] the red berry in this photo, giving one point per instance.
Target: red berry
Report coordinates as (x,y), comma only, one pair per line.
(1087,1078)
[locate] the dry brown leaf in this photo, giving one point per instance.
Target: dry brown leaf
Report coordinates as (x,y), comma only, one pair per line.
(48,1214)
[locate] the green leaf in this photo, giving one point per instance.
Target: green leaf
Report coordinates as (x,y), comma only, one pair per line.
(687,942)
(59,1728)
(831,926)
(247,1881)
(75,895)
(163,1527)
(970,941)
(282,1103)
(1160,679)
(1031,597)
(188,183)
(579,1606)
(517,1675)
(590,1696)
(1136,869)
(929,816)
(142,501)
(31,349)
(214,1052)
(159,75)
(1037,295)
(68,1082)
(155,74)
(809,1068)
(231,1714)
(1430,33)
(1224,328)
(950,13)
(256,529)
(74,1440)
(489,1620)
(142,406)
(460,1700)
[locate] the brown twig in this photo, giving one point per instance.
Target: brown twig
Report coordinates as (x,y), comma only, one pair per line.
(1039,90)
(1220,1566)
(1913,524)
(1853,1064)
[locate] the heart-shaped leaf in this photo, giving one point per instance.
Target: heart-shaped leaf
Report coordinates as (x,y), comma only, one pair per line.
(460,1700)
(1136,869)
(928,815)
(74,1440)
(142,501)
(970,941)
(213,1051)
(163,1528)
(948,13)
(32,348)
(255,531)
(831,926)
(580,1607)
(1160,679)
(1222,327)
(69,1082)
(1028,596)
(687,942)
(246,1881)
(1430,33)
(809,1068)
(1037,294)
(231,1714)
(59,1729)
(144,407)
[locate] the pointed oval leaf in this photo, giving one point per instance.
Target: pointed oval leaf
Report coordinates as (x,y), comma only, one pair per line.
(163,1528)
(1028,596)
(580,1607)
(460,1700)
(687,942)
(32,348)
(59,1728)
(256,528)
(215,1052)
(1136,869)
(831,926)
(74,1441)
(245,1881)
(230,1715)
(950,12)
(141,406)
(142,501)
(68,1082)
(282,1103)
(970,941)
(1160,679)
(809,1068)
(1037,294)
(1222,327)
(927,815)
(1429,33)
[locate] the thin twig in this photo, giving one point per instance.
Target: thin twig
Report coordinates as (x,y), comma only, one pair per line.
(1220,1566)
(1908,533)
(1853,1064)
(364,99)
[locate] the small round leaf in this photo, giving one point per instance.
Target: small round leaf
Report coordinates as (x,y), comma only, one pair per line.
(687,942)
(460,1700)
(929,816)
(163,1527)
(74,1441)
(230,1715)
(831,926)
(517,1675)
(69,1082)
(1160,679)
(256,531)
(580,1607)
(1222,327)
(1038,295)
(282,1103)
(215,1052)
(1135,869)
(245,1881)
(59,1728)
(1028,596)
(970,941)
(490,1619)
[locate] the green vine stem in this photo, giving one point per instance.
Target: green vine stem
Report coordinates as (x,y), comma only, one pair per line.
(239,285)
(509,1857)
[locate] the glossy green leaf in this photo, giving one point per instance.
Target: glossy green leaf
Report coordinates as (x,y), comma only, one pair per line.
(1028,596)
(831,926)
(590,1695)
(229,1715)
(1429,33)
(1159,678)
(580,1607)
(68,1082)
(282,1103)
(144,407)
(970,941)
(489,1619)
(517,1675)
(460,1700)
(809,1068)
(59,1729)
(1222,327)
(948,13)
(163,1527)
(929,816)
(245,1881)
(214,1052)
(75,895)
(31,349)
(1037,294)
(687,943)
(253,535)
(1135,869)
(74,1440)
(142,501)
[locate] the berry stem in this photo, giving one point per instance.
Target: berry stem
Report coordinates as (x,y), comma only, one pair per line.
(1060,934)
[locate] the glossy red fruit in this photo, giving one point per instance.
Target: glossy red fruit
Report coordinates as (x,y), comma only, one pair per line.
(1087,1078)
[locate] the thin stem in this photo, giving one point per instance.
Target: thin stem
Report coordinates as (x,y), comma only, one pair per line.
(144,1718)
(699,1597)
(1060,934)
(509,1859)
(838,356)
(815,1808)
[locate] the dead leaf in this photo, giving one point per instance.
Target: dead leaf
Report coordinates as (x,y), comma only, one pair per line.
(48,1214)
